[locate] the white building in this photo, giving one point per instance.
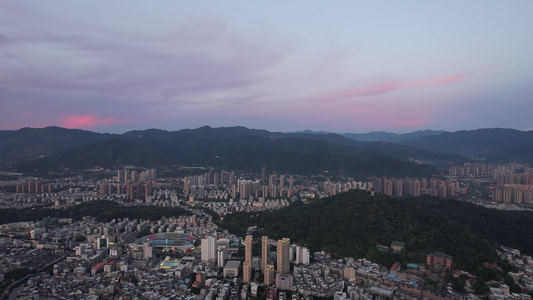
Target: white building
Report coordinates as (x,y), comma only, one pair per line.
(221,256)
(209,245)
(302,255)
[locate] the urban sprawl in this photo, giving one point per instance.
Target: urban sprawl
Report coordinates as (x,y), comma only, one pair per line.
(191,257)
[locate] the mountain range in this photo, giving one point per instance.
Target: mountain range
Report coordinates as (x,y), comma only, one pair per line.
(382,136)
(40,150)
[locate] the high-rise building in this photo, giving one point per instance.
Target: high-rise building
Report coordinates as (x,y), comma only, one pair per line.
(387,187)
(269,274)
(284,246)
(248,248)
(31,187)
(397,188)
(102,189)
(423,184)
(378,185)
(102,242)
(247,271)
(148,189)
(221,256)
(433,184)
(232,177)
(272,179)
(148,249)
(265,252)
(416,188)
(209,249)
(246,188)
(302,255)
(130,191)
(139,189)
(216,179)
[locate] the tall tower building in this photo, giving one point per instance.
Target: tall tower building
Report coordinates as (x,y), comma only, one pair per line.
(269,274)
(221,256)
(102,189)
(416,188)
(209,249)
(232,177)
(216,179)
(247,271)
(378,185)
(272,180)
(248,248)
(284,247)
(265,251)
(387,187)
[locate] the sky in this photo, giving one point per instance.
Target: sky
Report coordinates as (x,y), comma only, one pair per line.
(338,66)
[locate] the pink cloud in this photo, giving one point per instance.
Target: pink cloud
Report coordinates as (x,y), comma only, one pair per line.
(392,86)
(88,121)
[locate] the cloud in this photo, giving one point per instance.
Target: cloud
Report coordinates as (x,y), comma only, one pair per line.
(393,86)
(193,64)
(491,67)
(88,121)
(348,112)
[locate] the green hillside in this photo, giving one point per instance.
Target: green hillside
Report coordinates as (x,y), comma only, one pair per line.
(353,223)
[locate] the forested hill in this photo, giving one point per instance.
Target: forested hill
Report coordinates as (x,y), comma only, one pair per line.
(353,223)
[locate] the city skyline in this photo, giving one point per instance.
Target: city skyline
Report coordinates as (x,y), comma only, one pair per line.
(349,67)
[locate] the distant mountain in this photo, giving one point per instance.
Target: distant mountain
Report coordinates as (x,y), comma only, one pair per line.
(105,153)
(202,132)
(391,137)
(148,133)
(379,136)
(283,154)
(31,143)
(494,144)
(237,148)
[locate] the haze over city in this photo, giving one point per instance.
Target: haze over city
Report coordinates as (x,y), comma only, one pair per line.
(283,66)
